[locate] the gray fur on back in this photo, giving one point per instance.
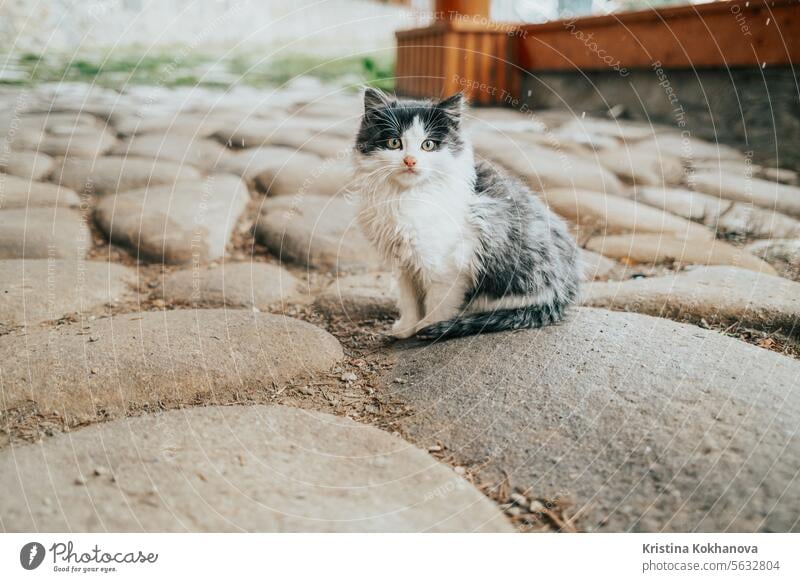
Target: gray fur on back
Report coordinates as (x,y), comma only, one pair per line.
(525,251)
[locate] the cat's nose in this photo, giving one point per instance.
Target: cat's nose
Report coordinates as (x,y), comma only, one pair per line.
(410,161)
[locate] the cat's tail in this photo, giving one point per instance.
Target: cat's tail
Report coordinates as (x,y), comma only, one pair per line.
(501,320)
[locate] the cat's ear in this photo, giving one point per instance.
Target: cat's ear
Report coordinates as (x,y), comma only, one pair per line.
(453,106)
(375,99)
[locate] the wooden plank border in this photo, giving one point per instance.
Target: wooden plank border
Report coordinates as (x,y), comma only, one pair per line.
(452,55)
(719,34)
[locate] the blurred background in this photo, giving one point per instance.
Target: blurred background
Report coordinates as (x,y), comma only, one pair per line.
(225,41)
(729,63)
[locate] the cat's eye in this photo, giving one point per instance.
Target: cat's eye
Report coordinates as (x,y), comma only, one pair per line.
(393,143)
(429,145)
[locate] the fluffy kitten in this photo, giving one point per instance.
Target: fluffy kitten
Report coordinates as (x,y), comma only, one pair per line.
(473,249)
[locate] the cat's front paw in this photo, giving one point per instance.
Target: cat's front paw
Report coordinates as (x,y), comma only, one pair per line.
(403,329)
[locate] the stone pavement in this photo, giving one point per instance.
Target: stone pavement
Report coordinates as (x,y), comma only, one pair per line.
(193,331)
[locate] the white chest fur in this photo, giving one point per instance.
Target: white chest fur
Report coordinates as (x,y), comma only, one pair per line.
(424,229)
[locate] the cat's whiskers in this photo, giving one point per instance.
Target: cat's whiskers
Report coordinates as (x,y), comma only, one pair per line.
(376,177)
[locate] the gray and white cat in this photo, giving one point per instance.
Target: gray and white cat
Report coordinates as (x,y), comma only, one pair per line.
(473,249)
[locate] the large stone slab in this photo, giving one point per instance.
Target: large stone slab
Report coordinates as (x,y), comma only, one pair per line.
(201,153)
(299,175)
(642,168)
(25,164)
(626,131)
(781,249)
(23,139)
(720,214)
(36,290)
(485,133)
(767,194)
(567,145)
(321,144)
(646,424)
(254,468)
(714,294)
(783,175)
(145,361)
(543,168)
(783,254)
(337,125)
(506,117)
(20,193)
(113,174)
(743,167)
(250,163)
(596,267)
(587,143)
(655,249)
(254,133)
(105,104)
(689,148)
(666,249)
(187,124)
(316,231)
(78,142)
(42,233)
(250,133)
(57,122)
(613,214)
(254,285)
(335,108)
(189,221)
(359,297)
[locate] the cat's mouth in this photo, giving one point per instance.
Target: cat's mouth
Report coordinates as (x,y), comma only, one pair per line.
(408,176)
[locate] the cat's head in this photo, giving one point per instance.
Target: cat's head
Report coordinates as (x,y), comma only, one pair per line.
(410,142)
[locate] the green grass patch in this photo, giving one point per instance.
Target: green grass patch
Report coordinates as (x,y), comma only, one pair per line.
(175,68)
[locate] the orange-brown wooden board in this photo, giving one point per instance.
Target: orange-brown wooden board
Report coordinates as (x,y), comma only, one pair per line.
(450,56)
(736,33)
(449,8)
